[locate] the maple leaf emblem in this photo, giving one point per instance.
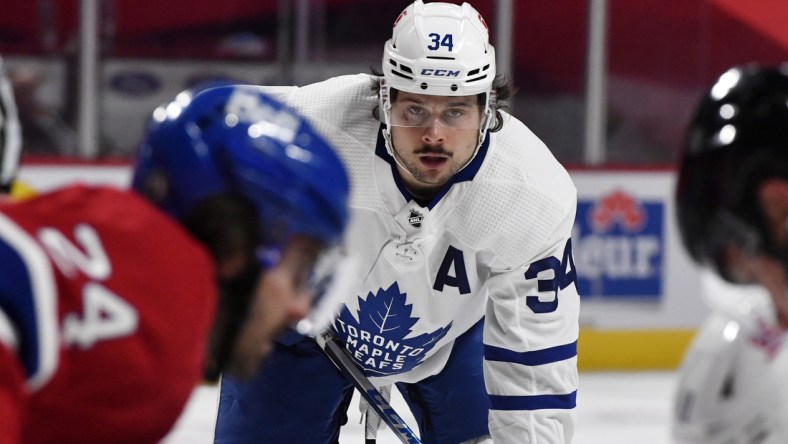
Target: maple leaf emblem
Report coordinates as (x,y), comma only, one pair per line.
(378,339)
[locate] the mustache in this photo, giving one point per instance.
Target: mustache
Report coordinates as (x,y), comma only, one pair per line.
(439,150)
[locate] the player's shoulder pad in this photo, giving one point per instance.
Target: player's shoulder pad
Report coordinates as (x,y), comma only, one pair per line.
(527,157)
(340,100)
(522,199)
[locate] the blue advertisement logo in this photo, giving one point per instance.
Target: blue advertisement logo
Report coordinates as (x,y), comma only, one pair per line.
(619,247)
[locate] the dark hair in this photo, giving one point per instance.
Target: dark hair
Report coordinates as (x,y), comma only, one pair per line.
(227,224)
(503,87)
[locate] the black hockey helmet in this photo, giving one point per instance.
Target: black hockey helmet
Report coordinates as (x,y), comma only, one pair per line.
(737,139)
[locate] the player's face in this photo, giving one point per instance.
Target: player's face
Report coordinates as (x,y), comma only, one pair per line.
(282,297)
(433,136)
(747,266)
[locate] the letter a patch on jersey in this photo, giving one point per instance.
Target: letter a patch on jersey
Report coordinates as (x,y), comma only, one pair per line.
(460,279)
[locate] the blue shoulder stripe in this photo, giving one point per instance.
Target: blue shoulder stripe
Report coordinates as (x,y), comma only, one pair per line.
(18,303)
(537,357)
(538,402)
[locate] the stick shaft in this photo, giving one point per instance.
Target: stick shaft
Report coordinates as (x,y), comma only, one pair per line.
(342,359)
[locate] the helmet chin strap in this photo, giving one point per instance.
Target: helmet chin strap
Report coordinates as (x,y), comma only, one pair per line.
(390,150)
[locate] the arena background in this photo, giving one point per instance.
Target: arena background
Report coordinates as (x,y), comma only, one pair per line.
(607,84)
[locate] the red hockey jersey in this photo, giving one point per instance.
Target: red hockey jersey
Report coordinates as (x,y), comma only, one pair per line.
(105,307)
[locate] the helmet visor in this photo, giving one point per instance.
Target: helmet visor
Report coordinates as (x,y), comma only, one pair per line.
(421,111)
(320,274)
(333,278)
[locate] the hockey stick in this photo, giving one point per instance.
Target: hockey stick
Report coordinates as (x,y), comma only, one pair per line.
(342,359)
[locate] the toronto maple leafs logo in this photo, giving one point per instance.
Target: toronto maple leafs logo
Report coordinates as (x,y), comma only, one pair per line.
(379,340)
(415,218)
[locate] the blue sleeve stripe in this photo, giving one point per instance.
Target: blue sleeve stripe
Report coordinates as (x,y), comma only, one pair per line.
(8,336)
(538,402)
(537,357)
(41,290)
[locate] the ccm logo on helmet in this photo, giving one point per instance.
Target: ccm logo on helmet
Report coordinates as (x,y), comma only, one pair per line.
(439,72)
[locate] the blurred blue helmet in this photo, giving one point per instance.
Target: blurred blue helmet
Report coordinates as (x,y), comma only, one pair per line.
(237,139)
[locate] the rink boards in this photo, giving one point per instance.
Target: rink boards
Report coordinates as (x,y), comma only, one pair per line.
(641,293)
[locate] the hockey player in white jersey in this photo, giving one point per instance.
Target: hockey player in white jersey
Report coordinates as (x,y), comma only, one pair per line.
(729,388)
(461,217)
(732,208)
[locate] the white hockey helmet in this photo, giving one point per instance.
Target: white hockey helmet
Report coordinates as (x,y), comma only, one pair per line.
(439,49)
(729,390)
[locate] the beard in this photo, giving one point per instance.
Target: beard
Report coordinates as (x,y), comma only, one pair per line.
(235,296)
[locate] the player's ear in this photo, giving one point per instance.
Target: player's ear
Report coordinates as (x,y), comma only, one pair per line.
(230,266)
(773,199)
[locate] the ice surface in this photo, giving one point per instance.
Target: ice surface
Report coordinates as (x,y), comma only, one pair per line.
(613,408)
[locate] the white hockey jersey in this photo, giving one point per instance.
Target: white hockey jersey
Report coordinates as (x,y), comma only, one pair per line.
(495,242)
